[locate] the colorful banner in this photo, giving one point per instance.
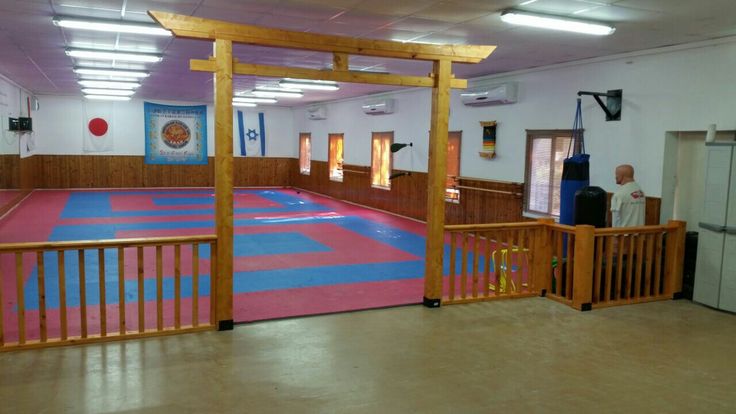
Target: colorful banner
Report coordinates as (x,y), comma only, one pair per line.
(175,134)
(489,139)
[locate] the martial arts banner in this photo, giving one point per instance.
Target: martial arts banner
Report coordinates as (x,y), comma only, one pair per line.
(175,134)
(252,134)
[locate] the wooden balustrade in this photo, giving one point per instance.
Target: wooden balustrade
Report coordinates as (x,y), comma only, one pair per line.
(580,266)
(75,317)
(492,261)
(596,268)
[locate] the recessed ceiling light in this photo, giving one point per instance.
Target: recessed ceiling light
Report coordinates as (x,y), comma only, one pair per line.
(267,92)
(556,23)
(110,26)
(245,104)
(246,99)
(113,55)
(109,84)
(99,91)
(112,72)
(527,2)
(309,84)
(108,97)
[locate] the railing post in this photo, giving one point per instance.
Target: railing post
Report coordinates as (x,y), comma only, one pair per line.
(542,257)
(582,277)
(675,256)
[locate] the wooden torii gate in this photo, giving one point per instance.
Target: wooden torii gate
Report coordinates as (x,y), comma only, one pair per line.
(224,66)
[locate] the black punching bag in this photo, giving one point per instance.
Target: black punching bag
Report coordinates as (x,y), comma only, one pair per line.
(590,206)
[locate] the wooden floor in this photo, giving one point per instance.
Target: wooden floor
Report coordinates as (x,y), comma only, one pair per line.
(527,355)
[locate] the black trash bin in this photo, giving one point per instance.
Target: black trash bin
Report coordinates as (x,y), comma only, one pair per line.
(688,268)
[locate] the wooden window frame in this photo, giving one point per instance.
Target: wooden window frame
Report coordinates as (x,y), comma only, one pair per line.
(330,162)
(532,134)
(390,158)
(448,189)
(305,136)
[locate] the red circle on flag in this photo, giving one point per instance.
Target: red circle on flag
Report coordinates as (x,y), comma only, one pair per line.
(98,127)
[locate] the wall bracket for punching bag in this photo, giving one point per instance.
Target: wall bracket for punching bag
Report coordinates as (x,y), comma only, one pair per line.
(612,107)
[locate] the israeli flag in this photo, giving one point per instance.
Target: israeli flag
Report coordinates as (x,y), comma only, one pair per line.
(252,129)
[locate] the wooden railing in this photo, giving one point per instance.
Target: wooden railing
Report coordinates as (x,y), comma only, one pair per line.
(580,266)
(87,308)
(492,261)
(595,268)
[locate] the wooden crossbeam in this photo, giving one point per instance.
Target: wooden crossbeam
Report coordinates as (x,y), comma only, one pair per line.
(199,28)
(203,65)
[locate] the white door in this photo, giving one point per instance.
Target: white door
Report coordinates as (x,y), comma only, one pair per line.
(710,239)
(728,274)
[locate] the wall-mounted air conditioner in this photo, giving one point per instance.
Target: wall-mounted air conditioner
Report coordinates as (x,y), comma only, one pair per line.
(383,106)
(498,94)
(317,112)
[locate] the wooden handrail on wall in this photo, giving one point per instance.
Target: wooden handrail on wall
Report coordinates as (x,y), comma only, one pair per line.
(15,255)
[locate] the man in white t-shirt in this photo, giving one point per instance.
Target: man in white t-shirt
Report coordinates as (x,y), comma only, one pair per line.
(628,203)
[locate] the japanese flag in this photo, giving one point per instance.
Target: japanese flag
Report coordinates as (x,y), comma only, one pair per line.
(97,125)
(252,134)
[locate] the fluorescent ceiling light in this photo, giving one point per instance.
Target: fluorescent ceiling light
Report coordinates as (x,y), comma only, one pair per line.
(113,55)
(244,99)
(245,104)
(98,91)
(309,84)
(277,92)
(108,97)
(112,72)
(109,84)
(110,26)
(556,23)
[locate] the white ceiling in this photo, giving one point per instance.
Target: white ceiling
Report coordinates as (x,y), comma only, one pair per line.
(32,49)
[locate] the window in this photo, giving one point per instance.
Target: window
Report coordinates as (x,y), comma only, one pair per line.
(305,152)
(545,152)
(335,157)
(381,159)
(452,193)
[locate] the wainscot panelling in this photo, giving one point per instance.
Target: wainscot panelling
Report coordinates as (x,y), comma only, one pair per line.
(107,171)
(408,194)
(9,171)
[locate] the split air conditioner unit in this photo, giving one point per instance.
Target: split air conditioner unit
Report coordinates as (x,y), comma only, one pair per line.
(317,112)
(498,94)
(384,106)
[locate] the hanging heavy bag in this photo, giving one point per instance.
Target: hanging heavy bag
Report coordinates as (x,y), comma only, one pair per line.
(575,171)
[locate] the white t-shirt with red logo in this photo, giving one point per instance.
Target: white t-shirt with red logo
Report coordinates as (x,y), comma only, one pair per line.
(628,206)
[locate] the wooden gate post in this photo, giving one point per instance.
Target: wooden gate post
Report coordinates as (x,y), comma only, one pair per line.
(224,183)
(436,183)
(582,274)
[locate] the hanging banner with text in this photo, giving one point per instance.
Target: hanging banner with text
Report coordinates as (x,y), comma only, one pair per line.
(175,134)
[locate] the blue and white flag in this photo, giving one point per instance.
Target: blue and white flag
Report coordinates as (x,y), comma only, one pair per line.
(252,132)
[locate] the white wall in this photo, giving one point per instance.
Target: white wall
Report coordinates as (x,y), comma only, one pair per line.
(60,124)
(12,104)
(672,90)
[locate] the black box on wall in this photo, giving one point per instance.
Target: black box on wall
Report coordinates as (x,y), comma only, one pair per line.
(25,124)
(13,124)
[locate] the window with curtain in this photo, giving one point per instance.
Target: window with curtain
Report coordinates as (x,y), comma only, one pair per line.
(381,159)
(545,153)
(336,157)
(452,194)
(305,153)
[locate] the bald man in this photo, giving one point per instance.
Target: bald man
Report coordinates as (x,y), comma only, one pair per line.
(628,203)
